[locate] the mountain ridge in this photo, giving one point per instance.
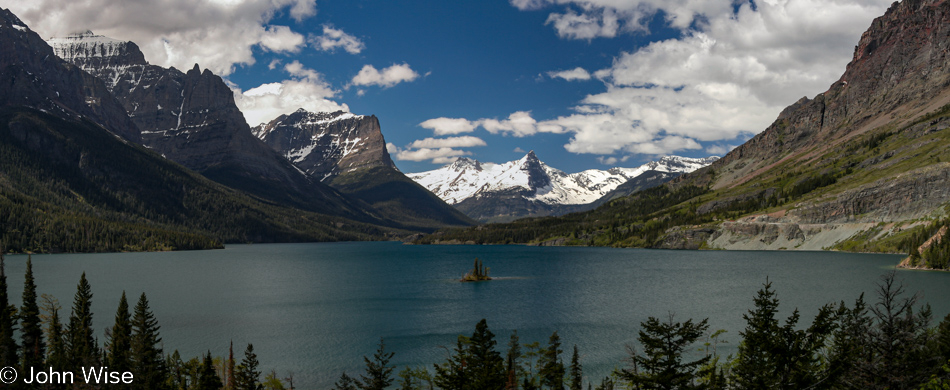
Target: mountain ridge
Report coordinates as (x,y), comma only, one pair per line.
(348,152)
(528,187)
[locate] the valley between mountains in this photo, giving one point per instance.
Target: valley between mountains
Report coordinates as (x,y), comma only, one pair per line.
(103,151)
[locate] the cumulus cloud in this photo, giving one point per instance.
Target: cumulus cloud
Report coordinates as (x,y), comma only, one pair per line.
(437,155)
(730,73)
(518,124)
(450,142)
(577,73)
(588,25)
(305,89)
(717,149)
(218,35)
(334,38)
(386,78)
(448,126)
(612,160)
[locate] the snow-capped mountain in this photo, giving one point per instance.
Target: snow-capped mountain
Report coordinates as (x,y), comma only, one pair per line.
(529,187)
(325,144)
(466,178)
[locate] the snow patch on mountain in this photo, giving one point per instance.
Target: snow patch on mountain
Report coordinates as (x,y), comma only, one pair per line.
(467,178)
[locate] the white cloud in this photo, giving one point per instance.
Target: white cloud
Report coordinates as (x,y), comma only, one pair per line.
(728,76)
(519,124)
(717,149)
(450,142)
(306,89)
(438,156)
(334,38)
(218,35)
(588,25)
(386,78)
(571,75)
(448,126)
(273,64)
(519,150)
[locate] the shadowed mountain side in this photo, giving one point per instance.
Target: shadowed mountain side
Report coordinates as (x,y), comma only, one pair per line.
(71,186)
(398,198)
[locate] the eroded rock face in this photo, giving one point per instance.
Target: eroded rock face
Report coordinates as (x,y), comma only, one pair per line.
(911,195)
(327,144)
(36,78)
(189,118)
(901,61)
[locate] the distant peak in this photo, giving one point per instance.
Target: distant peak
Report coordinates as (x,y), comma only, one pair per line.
(82,34)
(465,162)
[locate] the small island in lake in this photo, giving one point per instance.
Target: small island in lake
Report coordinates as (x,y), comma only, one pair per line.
(478,273)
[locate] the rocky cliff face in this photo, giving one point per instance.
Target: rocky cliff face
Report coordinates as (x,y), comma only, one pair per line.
(35,77)
(325,144)
(191,118)
(880,131)
(348,153)
(899,65)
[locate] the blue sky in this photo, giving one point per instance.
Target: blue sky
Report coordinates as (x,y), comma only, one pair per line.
(482,78)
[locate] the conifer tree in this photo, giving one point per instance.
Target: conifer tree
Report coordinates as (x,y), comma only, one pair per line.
(346,383)
(119,345)
(552,368)
(248,374)
(230,383)
(146,358)
(781,356)
(485,363)
(454,373)
(660,365)
(31,335)
(81,347)
(378,373)
(577,372)
(8,347)
(513,361)
(208,377)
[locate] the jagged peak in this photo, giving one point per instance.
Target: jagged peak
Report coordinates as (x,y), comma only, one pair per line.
(465,162)
(10,18)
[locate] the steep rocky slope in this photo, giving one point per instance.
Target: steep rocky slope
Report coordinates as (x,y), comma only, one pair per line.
(34,77)
(191,118)
(327,144)
(348,152)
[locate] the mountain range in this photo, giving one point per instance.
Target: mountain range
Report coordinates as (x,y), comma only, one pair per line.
(528,187)
(862,166)
(66,187)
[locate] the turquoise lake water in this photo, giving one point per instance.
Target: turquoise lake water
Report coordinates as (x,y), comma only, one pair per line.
(316,309)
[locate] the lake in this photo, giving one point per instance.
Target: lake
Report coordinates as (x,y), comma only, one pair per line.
(316,309)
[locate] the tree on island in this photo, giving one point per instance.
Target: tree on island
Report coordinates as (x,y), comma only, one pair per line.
(478,273)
